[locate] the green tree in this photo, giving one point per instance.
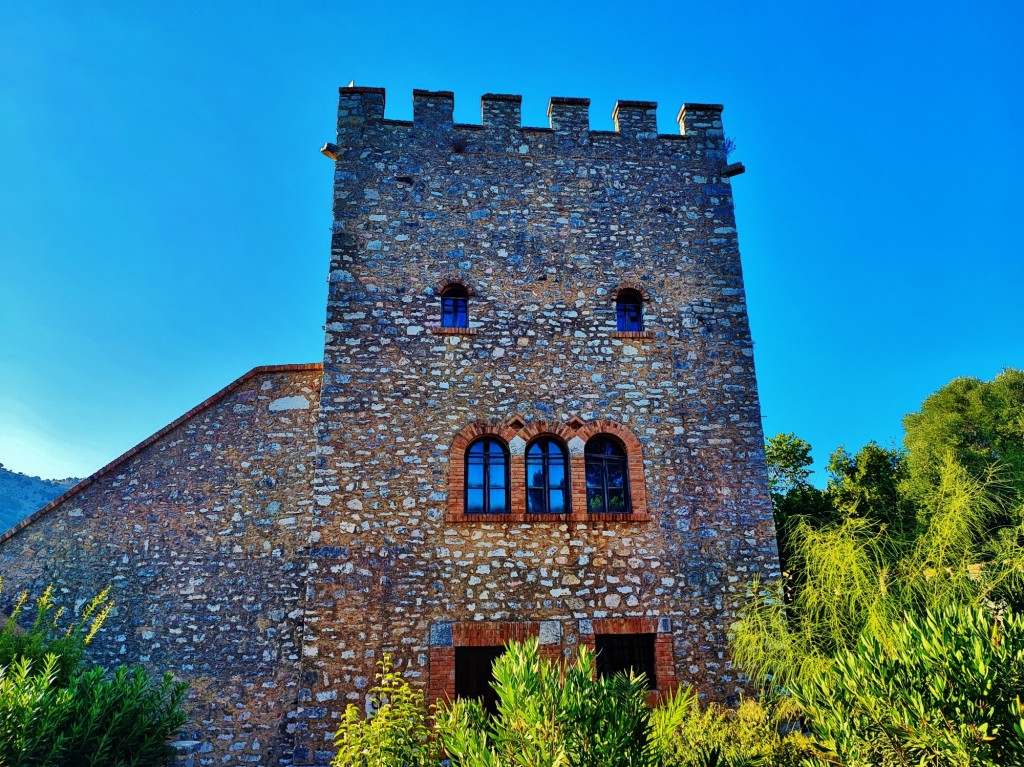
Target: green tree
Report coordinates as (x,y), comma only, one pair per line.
(789,463)
(868,484)
(980,422)
(794,498)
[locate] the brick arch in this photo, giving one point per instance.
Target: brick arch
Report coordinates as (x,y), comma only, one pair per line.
(616,429)
(536,429)
(634,285)
(634,462)
(473,431)
(453,280)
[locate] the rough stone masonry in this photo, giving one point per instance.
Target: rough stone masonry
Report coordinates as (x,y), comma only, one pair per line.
(272,544)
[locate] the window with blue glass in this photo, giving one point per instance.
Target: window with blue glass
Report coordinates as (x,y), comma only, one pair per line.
(547,477)
(455,307)
(607,476)
(487,479)
(629,311)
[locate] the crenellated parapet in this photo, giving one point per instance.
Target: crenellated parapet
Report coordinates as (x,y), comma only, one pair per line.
(634,123)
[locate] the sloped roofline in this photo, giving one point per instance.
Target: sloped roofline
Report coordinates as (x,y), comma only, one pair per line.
(117,462)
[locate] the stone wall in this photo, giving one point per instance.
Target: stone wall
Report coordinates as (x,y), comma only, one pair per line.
(198,532)
(543,227)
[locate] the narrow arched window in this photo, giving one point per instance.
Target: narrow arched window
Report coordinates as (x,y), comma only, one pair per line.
(629,310)
(455,307)
(607,476)
(547,477)
(487,477)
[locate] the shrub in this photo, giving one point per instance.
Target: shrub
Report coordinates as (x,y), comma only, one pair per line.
(395,734)
(944,690)
(852,578)
(92,720)
(52,713)
(748,735)
(552,714)
(46,635)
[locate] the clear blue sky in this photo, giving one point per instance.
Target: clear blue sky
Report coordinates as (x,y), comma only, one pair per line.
(165,213)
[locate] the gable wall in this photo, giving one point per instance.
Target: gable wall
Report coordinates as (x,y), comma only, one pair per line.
(199,536)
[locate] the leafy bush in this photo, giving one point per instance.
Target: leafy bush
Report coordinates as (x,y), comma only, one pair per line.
(397,732)
(945,690)
(47,636)
(92,720)
(748,735)
(852,579)
(52,713)
(552,714)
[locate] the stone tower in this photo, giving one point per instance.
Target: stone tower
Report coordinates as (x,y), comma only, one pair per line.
(538,411)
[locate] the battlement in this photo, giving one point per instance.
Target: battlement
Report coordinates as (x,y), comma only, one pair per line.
(633,122)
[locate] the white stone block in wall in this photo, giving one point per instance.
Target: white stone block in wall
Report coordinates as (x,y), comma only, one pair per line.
(289,403)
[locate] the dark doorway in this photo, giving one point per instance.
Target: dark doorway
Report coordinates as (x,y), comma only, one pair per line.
(473,674)
(622,652)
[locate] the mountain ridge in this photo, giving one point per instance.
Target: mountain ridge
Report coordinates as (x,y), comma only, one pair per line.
(21,494)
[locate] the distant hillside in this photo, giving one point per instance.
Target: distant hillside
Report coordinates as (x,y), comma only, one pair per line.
(20,495)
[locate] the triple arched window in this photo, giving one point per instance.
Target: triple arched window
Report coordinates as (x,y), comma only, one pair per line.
(538,479)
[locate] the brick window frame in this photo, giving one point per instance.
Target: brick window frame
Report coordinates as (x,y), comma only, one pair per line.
(635,465)
(664,657)
(640,289)
(457,474)
(446,636)
(517,435)
(439,290)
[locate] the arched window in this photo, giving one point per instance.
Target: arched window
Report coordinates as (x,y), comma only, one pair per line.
(607,476)
(629,310)
(487,477)
(547,477)
(455,307)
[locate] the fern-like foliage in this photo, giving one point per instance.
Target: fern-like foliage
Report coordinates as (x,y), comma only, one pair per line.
(854,579)
(945,689)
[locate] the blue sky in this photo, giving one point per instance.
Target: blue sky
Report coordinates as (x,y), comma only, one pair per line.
(165,213)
